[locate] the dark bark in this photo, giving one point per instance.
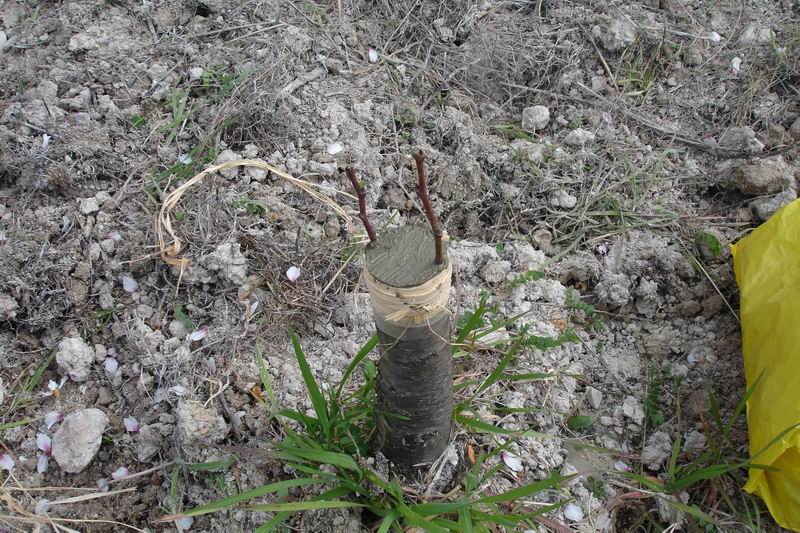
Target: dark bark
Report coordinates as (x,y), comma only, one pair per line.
(415,380)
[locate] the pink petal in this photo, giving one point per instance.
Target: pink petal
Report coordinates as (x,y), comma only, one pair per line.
(52,418)
(131,424)
(199,334)
(129,284)
(293,273)
(211,365)
(115,236)
(620,466)
(44,443)
(42,464)
(512,461)
(120,473)
(334,148)
(6,462)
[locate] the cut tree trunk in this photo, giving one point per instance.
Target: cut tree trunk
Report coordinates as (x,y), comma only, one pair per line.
(410,296)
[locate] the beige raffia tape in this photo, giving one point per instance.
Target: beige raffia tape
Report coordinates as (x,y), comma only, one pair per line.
(411,306)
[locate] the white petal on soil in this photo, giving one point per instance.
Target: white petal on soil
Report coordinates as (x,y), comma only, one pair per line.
(45,141)
(44,443)
(512,461)
(199,334)
(373,55)
(573,512)
(42,464)
(211,365)
(129,284)
(6,462)
(620,466)
(714,37)
(102,485)
(42,506)
(334,148)
(736,64)
(253,307)
(185,159)
(52,418)
(293,273)
(120,473)
(131,424)
(185,522)
(115,236)
(111,365)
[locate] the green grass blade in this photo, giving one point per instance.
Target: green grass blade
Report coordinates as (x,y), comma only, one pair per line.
(386,523)
(266,382)
(210,466)
(317,400)
(473,322)
(465,520)
(551,482)
(673,460)
(501,366)
(740,407)
(692,510)
(435,509)
(250,494)
(480,426)
(301,506)
(320,456)
(362,353)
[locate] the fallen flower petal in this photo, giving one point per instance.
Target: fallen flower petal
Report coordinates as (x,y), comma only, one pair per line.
(199,334)
(129,284)
(52,418)
(512,461)
(334,148)
(45,141)
(185,522)
(6,462)
(44,443)
(102,485)
(211,365)
(115,236)
(131,424)
(293,273)
(373,56)
(120,473)
(573,512)
(111,365)
(42,464)
(42,506)
(620,466)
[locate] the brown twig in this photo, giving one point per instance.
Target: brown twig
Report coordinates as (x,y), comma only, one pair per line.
(419,158)
(362,203)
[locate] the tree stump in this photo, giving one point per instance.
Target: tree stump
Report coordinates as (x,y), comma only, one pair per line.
(410,299)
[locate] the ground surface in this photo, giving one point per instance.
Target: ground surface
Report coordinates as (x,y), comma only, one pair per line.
(625,188)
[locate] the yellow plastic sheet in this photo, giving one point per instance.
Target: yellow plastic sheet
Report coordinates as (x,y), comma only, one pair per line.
(767,266)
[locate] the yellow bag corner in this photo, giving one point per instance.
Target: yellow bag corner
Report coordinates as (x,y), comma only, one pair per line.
(767,267)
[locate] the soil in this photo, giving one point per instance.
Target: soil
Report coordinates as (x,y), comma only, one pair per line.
(616,147)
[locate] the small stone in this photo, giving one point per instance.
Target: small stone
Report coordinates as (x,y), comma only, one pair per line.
(794,129)
(148,443)
(495,271)
(768,175)
(535,118)
(78,439)
(563,199)
(8,307)
(177,329)
(657,450)
(741,138)
(198,426)
(594,397)
(89,206)
(332,227)
(579,137)
(104,397)
(82,119)
(224,157)
(764,208)
(613,289)
(695,442)
(74,358)
(617,35)
(229,262)
(633,410)
(756,35)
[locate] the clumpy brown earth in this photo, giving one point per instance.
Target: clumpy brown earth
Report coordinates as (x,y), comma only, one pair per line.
(618,147)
